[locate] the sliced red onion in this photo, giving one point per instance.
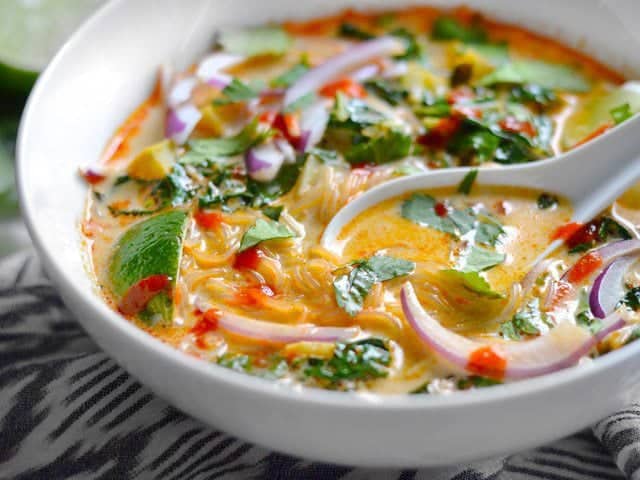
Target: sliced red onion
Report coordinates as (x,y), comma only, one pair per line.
(365,72)
(181,122)
(561,347)
(181,91)
(342,63)
(396,70)
(219,80)
(212,65)
(264,162)
(281,333)
(313,123)
(608,287)
(287,150)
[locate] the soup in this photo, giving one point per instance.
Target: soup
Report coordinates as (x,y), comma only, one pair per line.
(205,214)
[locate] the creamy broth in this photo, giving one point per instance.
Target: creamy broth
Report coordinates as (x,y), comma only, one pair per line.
(213,247)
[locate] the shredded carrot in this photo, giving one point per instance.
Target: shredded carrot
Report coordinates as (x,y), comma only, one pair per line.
(596,133)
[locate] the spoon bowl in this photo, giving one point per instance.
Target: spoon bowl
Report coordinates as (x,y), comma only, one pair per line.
(590,177)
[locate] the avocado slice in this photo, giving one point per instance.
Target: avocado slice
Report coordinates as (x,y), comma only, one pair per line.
(150,247)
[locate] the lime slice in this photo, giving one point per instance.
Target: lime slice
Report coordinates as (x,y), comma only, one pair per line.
(148,248)
(31,31)
(596,111)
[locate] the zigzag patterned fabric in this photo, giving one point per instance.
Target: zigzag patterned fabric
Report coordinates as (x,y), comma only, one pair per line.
(67,411)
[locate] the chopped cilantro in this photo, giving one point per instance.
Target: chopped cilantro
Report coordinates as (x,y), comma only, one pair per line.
(447,28)
(301,103)
(265,192)
(264,230)
(353,113)
(621,113)
(354,361)
(472,281)
(413,49)
(533,93)
(212,148)
(632,299)
(273,212)
(478,259)
(546,200)
(238,91)
(326,156)
(386,90)
(290,76)
(476,381)
(383,149)
(527,321)
(584,317)
(467,182)
(352,288)
(349,30)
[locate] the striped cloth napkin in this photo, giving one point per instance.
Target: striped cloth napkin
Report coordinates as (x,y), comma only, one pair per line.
(67,411)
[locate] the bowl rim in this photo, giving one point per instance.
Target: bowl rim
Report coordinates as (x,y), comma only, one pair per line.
(241,381)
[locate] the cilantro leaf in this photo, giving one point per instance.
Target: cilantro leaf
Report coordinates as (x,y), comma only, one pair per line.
(488,230)
(472,281)
(353,361)
(264,230)
(420,209)
(212,148)
(351,289)
(546,200)
(621,113)
(448,28)
(632,299)
(533,93)
(238,91)
(256,41)
(353,113)
(383,149)
(527,321)
(386,90)
(478,259)
(546,75)
(265,192)
(290,76)
(349,30)
(414,50)
(273,212)
(584,317)
(467,182)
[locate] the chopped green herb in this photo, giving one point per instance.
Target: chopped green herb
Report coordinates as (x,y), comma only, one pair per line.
(632,299)
(467,182)
(488,230)
(413,49)
(264,230)
(263,193)
(354,361)
(386,90)
(533,93)
(584,317)
(352,288)
(473,282)
(383,149)
(349,30)
(478,259)
(175,189)
(353,113)
(290,76)
(527,321)
(420,208)
(238,91)
(546,201)
(272,212)
(621,113)
(256,41)
(301,103)
(326,156)
(447,28)
(207,149)
(546,75)
(475,381)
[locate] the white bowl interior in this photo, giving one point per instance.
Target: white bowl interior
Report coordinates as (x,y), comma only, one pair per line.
(109,67)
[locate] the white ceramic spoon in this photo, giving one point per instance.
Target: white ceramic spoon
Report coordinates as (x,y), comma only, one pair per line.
(592,176)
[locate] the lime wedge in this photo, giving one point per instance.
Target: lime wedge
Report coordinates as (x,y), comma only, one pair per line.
(150,247)
(31,31)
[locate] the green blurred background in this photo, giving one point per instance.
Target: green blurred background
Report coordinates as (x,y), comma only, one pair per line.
(31,31)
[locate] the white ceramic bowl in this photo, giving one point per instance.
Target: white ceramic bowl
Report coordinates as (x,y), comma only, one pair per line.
(106,69)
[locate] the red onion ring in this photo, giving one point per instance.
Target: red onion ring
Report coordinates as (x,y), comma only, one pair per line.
(608,287)
(561,347)
(281,333)
(264,162)
(181,121)
(342,63)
